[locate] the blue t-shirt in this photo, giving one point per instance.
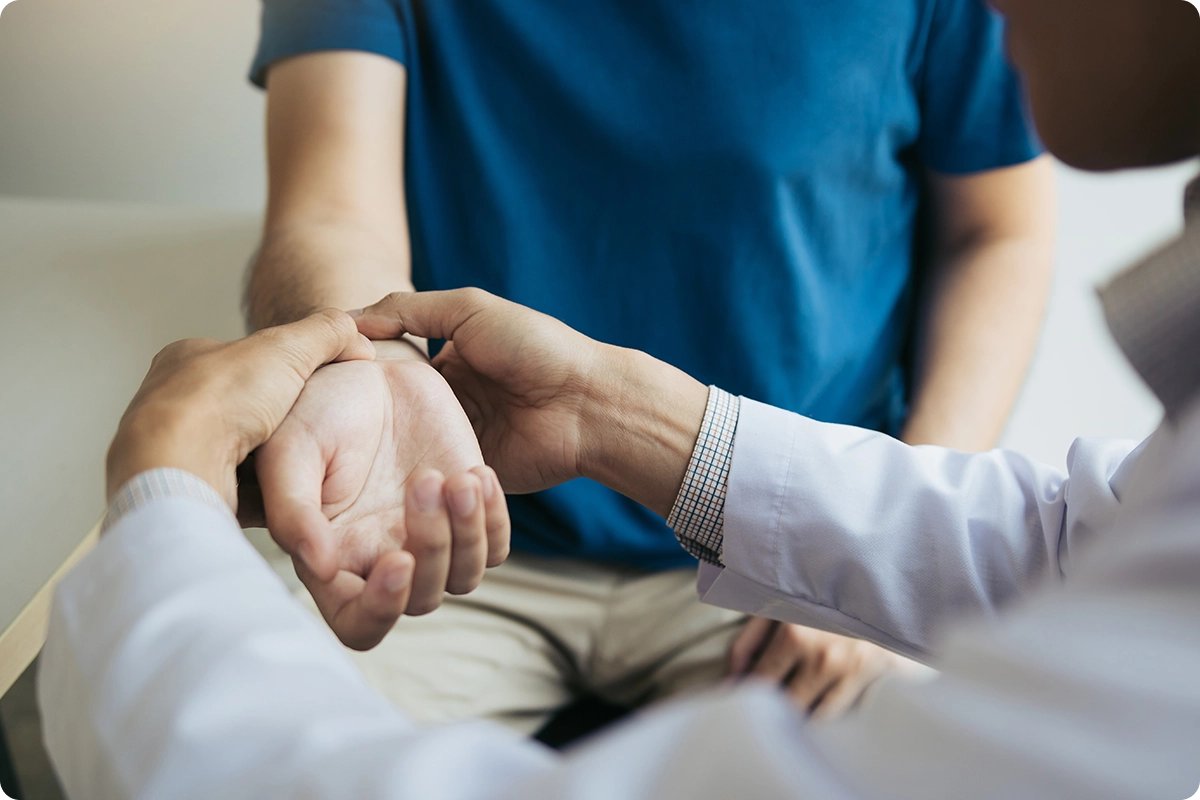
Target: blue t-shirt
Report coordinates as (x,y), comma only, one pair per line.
(729,185)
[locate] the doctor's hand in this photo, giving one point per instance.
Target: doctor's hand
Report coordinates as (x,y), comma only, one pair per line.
(549,404)
(523,378)
(205,405)
(376,459)
(825,674)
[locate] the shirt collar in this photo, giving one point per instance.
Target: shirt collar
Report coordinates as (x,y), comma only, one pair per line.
(1153,311)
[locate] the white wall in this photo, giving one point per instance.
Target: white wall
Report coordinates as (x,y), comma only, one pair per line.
(131,100)
(147,101)
(1080,384)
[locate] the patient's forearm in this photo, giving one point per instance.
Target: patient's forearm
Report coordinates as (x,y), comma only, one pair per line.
(306,266)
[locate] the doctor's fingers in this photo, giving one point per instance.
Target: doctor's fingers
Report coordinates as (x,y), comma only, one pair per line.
(471,389)
(267,370)
(433,315)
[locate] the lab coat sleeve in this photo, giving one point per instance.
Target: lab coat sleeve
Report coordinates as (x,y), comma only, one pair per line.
(852,531)
(178,666)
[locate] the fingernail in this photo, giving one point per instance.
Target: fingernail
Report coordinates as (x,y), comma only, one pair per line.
(489,487)
(462,501)
(356,312)
(396,579)
(429,495)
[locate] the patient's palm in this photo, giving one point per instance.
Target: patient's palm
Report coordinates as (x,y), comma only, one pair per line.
(355,436)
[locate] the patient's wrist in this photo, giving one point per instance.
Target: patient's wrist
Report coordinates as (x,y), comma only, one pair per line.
(406,348)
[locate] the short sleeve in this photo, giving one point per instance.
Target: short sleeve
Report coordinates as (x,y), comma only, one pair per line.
(293,27)
(973,106)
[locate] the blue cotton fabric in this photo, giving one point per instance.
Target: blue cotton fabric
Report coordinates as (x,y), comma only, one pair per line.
(730,186)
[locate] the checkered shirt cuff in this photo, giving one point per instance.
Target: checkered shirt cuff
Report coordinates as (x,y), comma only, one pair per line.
(154,485)
(698,517)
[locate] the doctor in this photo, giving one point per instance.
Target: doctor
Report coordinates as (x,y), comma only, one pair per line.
(178,666)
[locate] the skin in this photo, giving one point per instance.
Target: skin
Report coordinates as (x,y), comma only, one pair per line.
(334,467)
(984,302)
(336,235)
(206,405)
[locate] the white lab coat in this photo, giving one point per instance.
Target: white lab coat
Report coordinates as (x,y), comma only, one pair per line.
(178,666)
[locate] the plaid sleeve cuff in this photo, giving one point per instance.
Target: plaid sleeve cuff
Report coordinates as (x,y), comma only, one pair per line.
(698,517)
(154,485)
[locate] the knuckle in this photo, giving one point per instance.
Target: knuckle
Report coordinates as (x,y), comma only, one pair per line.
(837,664)
(171,350)
(461,586)
(341,322)
(469,541)
(499,556)
(430,544)
(474,296)
(419,608)
(182,349)
(472,300)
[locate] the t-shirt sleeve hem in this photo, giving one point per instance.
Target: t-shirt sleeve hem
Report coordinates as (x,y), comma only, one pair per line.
(970,162)
(293,31)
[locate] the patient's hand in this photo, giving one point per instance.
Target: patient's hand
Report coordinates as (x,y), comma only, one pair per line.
(825,674)
(377,456)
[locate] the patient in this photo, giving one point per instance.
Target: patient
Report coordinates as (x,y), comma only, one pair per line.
(178,666)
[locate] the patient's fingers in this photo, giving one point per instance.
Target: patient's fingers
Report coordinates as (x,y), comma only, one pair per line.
(429,538)
(749,643)
(468,529)
(816,676)
(778,658)
(495,507)
(361,612)
(842,696)
(291,472)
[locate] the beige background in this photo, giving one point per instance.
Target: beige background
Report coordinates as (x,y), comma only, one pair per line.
(135,100)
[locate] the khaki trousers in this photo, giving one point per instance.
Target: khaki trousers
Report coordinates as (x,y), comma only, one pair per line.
(539,632)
